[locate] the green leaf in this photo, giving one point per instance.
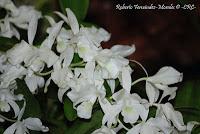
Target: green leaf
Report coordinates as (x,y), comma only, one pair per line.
(69,111)
(1,130)
(86,126)
(89,24)
(187,101)
(32,104)
(196,130)
(190,114)
(76,58)
(188,95)
(108,89)
(7,43)
(79,7)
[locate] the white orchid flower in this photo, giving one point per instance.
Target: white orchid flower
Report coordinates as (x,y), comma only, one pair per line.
(19,53)
(34,82)
(112,61)
(45,54)
(160,81)
(22,126)
(8,30)
(104,130)
(4,65)
(174,116)
(88,39)
(85,50)
(111,111)
(63,39)
(85,90)
(25,17)
(95,35)
(152,126)
(62,77)
(7,101)
(133,106)
(84,95)
(11,74)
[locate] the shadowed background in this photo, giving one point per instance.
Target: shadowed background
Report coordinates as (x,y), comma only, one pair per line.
(161,37)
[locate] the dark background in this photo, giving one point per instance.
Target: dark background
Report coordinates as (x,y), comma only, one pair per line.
(161,37)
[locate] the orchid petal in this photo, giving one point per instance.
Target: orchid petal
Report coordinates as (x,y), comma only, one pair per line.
(32,28)
(35,124)
(123,50)
(73,22)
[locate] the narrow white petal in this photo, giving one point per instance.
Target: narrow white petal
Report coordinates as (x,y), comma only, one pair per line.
(111,84)
(89,70)
(11,129)
(62,16)
(67,55)
(32,28)
(61,92)
(50,20)
(73,22)
(53,32)
(22,111)
(152,92)
(126,79)
(15,107)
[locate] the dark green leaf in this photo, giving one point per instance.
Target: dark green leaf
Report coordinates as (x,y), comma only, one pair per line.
(79,7)
(32,104)
(108,89)
(76,58)
(7,43)
(188,95)
(187,101)
(196,130)
(88,24)
(1,130)
(190,114)
(86,126)
(69,111)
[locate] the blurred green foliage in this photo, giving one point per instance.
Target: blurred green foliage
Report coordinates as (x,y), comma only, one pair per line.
(79,7)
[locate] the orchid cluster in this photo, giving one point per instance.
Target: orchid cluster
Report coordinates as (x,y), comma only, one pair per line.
(83,82)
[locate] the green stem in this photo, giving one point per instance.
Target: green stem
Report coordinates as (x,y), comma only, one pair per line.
(123,125)
(44,74)
(78,64)
(139,80)
(7,119)
(140,66)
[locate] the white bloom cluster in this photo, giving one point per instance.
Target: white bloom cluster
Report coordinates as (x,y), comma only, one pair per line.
(83,82)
